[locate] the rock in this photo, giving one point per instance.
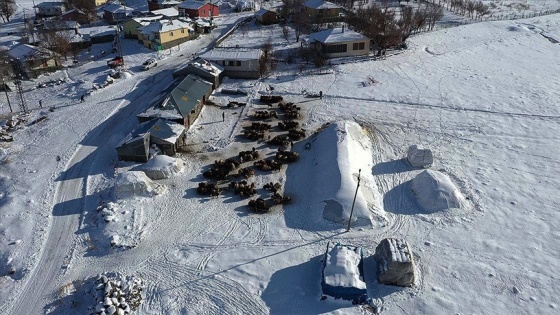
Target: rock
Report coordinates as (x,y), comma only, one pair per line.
(104,279)
(515,290)
(107,301)
(395,262)
(99,308)
(115,301)
(111,310)
(120,311)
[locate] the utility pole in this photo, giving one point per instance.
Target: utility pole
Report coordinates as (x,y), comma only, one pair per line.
(354,201)
(23,104)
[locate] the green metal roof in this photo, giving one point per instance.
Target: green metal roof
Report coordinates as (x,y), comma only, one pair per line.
(188,93)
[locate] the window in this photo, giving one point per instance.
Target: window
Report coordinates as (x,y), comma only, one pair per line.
(238,63)
(202,12)
(170,33)
(333,49)
(358,46)
(231,63)
(182,31)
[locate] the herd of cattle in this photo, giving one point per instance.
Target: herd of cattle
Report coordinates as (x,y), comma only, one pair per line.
(230,169)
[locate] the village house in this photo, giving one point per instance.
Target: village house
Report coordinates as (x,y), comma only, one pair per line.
(46,9)
(266,16)
(167,13)
(116,13)
(241,63)
(192,9)
(339,42)
(56,25)
(166,135)
(164,34)
(205,69)
(322,11)
(31,61)
(130,27)
(162,4)
(99,34)
(183,104)
(77,16)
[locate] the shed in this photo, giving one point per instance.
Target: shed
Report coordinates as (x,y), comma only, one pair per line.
(135,147)
(205,69)
(266,17)
(343,273)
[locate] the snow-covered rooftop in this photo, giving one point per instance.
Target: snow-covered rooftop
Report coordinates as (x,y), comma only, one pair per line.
(263,11)
(145,20)
(341,267)
(337,35)
(191,4)
(117,8)
(167,12)
(207,66)
(321,5)
(50,4)
(97,30)
(232,54)
(164,26)
(25,51)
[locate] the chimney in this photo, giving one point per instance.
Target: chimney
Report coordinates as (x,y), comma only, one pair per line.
(343,27)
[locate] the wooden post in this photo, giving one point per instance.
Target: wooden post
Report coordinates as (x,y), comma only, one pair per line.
(354,201)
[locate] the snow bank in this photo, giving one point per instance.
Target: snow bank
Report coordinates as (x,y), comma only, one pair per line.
(137,183)
(162,166)
(435,191)
(341,274)
(343,149)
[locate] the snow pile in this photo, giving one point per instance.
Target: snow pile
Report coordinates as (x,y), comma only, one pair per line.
(420,158)
(342,149)
(341,273)
(435,191)
(115,295)
(136,183)
(162,166)
(395,262)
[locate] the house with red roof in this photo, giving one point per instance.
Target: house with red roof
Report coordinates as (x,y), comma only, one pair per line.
(192,9)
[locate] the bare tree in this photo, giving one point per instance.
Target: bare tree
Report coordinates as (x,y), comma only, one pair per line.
(7,9)
(85,6)
(58,42)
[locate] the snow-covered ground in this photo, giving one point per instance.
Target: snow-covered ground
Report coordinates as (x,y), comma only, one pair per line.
(482,97)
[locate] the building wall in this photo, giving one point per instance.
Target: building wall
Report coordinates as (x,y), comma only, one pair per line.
(215,80)
(50,11)
(350,51)
(166,37)
(267,18)
(100,2)
(327,14)
(204,11)
(130,29)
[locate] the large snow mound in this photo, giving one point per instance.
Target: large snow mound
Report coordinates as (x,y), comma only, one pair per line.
(344,149)
(162,166)
(136,183)
(436,192)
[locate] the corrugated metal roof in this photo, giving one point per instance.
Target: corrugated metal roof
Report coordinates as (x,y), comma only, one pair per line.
(159,128)
(232,54)
(321,5)
(188,94)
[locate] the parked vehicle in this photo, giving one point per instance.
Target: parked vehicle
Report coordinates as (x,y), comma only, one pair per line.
(150,63)
(115,62)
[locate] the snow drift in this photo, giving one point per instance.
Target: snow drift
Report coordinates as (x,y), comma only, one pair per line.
(162,166)
(436,192)
(136,183)
(342,149)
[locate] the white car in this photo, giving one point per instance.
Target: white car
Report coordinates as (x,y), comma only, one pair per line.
(148,64)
